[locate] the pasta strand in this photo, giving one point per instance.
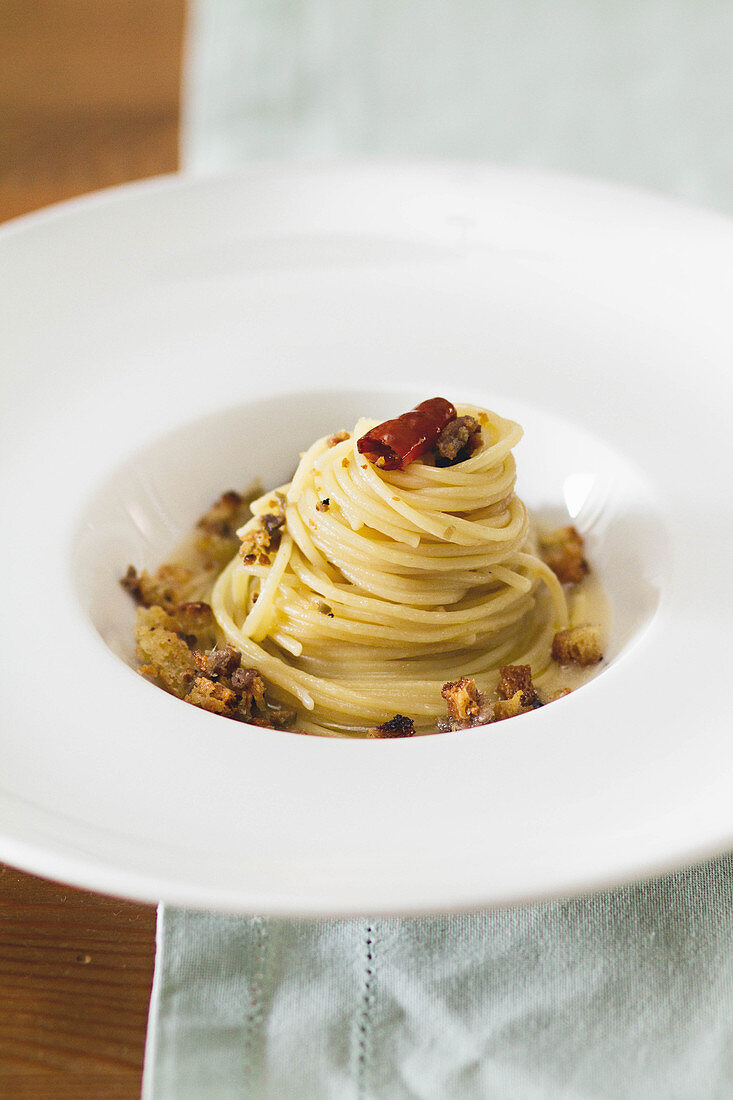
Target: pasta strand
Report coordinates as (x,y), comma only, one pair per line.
(402,581)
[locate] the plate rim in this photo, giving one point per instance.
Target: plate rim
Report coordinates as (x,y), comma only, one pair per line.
(88,873)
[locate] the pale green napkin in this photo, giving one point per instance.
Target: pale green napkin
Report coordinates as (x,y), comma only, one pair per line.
(624,994)
(637,91)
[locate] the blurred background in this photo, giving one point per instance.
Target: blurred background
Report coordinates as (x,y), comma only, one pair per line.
(96,92)
(89,96)
(632,90)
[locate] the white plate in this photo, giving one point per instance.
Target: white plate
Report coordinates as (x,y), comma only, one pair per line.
(142,330)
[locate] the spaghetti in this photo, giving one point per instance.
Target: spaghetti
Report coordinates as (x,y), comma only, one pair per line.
(386,583)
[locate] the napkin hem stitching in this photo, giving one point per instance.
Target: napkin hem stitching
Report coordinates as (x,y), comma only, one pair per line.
(365,1018)
(255,1010)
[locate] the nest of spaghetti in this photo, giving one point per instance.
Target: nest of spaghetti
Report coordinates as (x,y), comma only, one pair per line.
(397,561)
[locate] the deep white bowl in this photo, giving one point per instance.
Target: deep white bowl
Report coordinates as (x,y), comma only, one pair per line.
(167,341)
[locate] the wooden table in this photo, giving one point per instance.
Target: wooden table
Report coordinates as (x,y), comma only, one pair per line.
(89,97)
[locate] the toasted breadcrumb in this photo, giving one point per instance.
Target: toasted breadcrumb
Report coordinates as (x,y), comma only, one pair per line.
(399,726)
(463,699)
(338,437)
(215,697)
(194,619)
(216,531)
(250,687)
(580,645)
(242,693)
(510,708)
(466,706)
(166,656)
(213,680)
(224,515)
(215,551)
(517,678)
(167,587)
(220,662)
(259,540)
(175,633)
(457,441)
(214,543)
(563,551)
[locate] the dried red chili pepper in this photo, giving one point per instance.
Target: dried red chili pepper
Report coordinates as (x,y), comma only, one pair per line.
(396,443)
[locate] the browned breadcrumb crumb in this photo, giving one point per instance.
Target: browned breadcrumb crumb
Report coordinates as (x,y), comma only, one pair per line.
(563,551)
(580,645)
(463,699)
(466,706)
(510,708)
(214,543)
(215,697)
(216,537)
(166,588)
(215,551)
(273,522)
(212,680)
(220,662)
(457,441)
(195,619)
(222,518)
(338,437)
(250,686)
(323,505)
(248,701)
(262,538)
(517,678)
(399,726)
(345,462)
(173,633)
(164,655)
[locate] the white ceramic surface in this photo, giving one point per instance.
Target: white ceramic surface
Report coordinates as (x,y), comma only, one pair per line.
(148,335)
